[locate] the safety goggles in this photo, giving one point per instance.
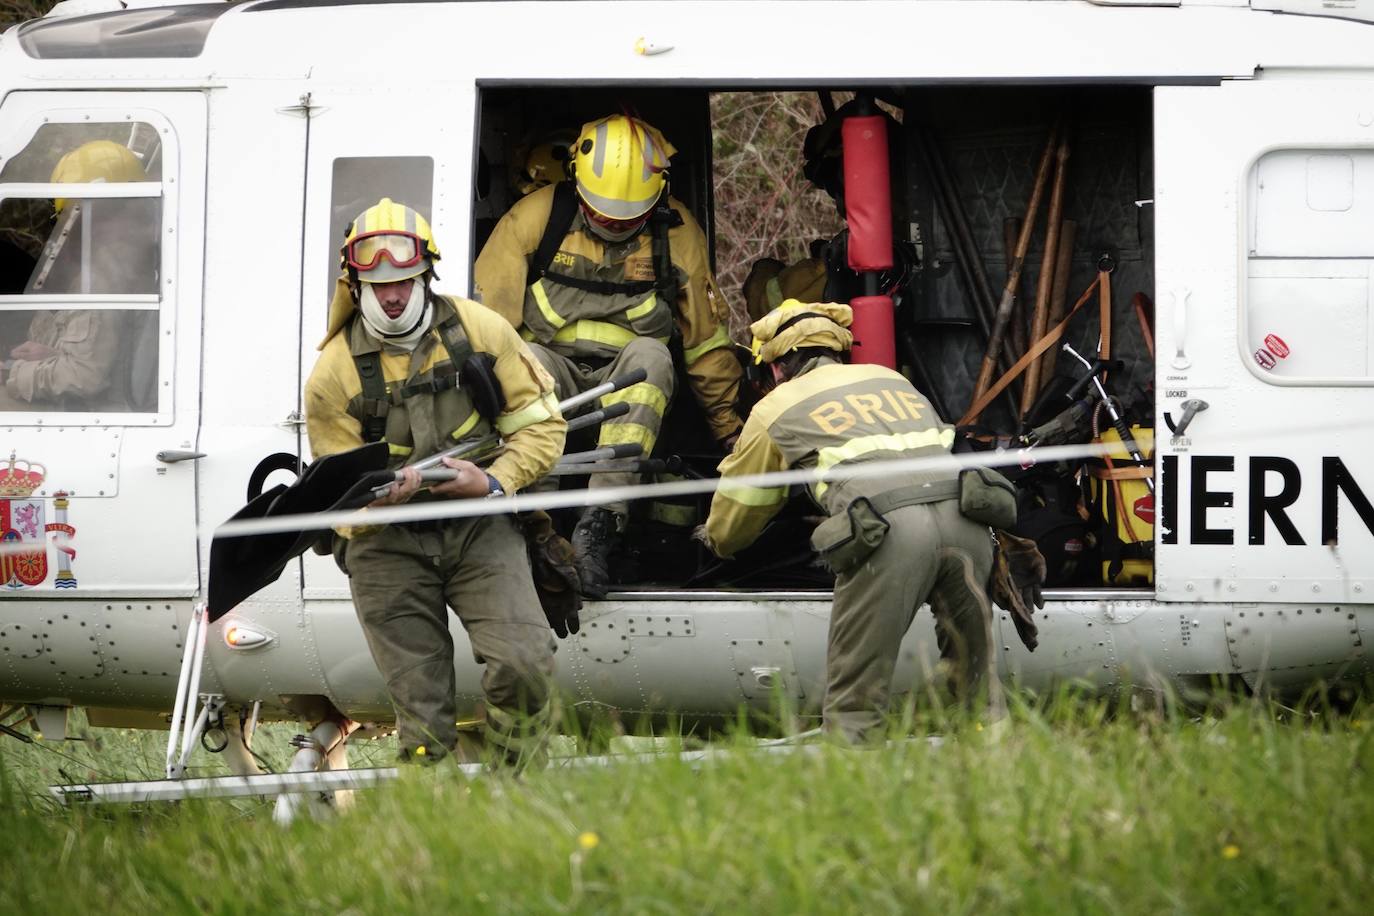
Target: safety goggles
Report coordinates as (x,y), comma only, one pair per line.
(615,225)
(366,251)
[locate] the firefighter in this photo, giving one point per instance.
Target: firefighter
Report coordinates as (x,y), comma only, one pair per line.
(75,359)
(894,542)
(389,370)
(600,273)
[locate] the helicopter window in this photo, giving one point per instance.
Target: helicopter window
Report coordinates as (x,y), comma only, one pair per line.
(1308,272)
(360,181)
(179,31)
(81,230)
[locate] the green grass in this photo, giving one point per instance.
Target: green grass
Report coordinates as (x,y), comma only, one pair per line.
(1072,810)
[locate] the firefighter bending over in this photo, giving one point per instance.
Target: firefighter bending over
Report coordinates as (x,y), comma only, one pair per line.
(894,542)
(574,269)
(390,371)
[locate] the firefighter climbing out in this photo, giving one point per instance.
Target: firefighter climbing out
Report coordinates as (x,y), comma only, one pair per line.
(926,181)
(605,273)
(389,370)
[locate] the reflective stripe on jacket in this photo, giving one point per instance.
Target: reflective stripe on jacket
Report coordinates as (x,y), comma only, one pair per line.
(832,414)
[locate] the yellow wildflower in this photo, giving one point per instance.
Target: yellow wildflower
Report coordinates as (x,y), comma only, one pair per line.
(1230,851)
(588,840)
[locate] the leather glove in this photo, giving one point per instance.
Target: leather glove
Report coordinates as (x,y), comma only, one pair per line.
(552,563)
(1018,572)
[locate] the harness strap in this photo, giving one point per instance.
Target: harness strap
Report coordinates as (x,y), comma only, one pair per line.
(665,277)
(601,287)
(561,217)
(378,398)
(376,402)
(555,230)
(455,340)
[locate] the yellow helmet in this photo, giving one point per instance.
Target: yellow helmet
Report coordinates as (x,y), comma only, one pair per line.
(98,160)
(794,324)
(547,162)
(621,165)
(388,242)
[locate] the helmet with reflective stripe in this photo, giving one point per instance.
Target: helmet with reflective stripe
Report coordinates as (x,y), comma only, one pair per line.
(621,165)
(546,162)
(99,160)
(388,242)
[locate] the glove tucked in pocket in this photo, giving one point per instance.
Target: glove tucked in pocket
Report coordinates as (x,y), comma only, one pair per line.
(845,541)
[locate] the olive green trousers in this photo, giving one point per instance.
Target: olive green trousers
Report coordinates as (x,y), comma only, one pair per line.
(648,400)
(404,579)
(931,554)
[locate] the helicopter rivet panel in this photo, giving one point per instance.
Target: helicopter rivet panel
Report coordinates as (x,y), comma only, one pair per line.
(142,641)
(605,641)
(1280,646)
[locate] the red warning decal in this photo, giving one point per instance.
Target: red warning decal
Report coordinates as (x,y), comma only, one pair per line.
(1276,346)
(1144,508)
(1265,359)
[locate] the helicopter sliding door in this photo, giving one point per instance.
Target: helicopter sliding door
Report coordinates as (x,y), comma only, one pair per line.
(1265,265)
(101,240)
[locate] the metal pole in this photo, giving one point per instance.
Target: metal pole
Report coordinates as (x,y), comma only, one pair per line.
(183,679)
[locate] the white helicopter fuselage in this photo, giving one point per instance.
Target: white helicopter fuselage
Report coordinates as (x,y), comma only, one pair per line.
(264,114)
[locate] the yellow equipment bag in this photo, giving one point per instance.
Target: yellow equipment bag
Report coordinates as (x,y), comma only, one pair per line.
(1125,507)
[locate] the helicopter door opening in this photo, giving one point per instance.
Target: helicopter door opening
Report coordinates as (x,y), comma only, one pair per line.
(349,171)
(761,172)
(1265,200)
(101,239)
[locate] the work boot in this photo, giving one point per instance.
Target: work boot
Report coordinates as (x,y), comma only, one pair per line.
(596,536)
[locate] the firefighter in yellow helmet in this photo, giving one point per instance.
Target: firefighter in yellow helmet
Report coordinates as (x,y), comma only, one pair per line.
(389,370)
(894,542)
(71,359)
(599,273)
(546,162)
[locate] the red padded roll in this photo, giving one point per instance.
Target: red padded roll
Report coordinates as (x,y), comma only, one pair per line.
(867,192)
(872,329)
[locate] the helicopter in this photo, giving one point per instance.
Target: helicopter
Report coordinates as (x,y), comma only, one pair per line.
(1222,161)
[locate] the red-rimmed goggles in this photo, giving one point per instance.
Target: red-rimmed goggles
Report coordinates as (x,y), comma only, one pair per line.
(366,251)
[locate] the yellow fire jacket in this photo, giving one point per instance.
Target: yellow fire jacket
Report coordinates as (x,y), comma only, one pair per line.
(829,414)
(422,423)
(700,312)
(88,346)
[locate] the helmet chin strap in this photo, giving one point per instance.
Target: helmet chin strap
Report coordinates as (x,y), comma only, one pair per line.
(405,330)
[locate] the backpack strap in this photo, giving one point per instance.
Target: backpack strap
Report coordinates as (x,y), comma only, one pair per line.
(555,230)
(472,370)
(666,287)
(455,337)
(561,216)
(376,402)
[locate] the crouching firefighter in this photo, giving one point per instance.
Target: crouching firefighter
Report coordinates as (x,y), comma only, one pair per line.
(894,542)
(601,273)
(422,372)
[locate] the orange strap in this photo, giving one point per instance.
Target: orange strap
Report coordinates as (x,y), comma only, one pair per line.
(1112,472)
(1120,499)
(1142,305)
(1104,315)
(1041,345)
